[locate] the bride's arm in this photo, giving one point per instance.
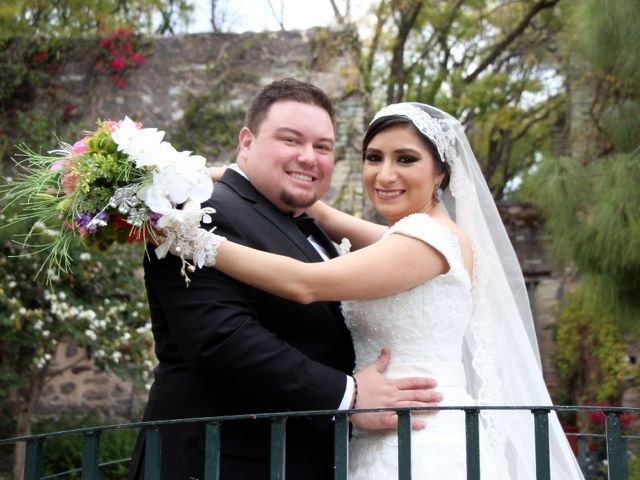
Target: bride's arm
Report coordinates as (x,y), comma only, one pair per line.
(389,266)
(339,225)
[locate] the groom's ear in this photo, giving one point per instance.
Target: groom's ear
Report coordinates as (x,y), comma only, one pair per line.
(245,139)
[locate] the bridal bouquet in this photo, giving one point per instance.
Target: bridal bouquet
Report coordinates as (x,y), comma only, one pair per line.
(120,183)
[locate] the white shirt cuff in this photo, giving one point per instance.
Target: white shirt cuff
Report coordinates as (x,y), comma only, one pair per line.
(345,404)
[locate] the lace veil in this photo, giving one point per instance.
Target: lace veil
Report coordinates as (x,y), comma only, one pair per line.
(501,351)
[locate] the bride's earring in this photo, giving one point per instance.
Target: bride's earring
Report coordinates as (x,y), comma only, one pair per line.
(437,194)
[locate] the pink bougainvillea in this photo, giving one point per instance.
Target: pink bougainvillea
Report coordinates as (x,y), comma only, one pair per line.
(119,52)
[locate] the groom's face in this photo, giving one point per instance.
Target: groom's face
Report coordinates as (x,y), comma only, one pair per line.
(290,159)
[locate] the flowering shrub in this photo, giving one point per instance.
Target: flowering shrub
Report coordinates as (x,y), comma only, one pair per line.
(118,52)
(100,305)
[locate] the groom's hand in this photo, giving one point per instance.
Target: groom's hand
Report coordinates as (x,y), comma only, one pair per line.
(377,391)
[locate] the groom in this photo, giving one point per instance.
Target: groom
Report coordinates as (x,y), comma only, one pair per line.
(225,348)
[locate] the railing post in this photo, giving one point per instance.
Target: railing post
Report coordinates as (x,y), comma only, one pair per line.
(616,448)
(541,427)
(583,460)
(404,445)
(341,447)
(472,424)
(33,459)
(152,454)
(91,455)
(212,451)
(278,448)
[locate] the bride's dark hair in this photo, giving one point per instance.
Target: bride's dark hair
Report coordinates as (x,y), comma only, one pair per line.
(383,123)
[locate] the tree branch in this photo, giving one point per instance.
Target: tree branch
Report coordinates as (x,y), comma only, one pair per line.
(279,18)
(515,33)
(336,12)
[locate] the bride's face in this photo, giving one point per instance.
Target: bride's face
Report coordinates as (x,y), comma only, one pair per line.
(399,173)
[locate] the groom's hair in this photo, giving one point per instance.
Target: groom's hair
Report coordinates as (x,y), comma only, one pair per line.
(283,90)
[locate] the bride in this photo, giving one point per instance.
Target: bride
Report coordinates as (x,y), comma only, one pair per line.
(440,286)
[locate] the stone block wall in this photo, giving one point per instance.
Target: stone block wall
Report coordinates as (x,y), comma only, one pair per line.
(83,388)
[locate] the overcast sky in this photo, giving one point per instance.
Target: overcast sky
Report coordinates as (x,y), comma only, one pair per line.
(255,15)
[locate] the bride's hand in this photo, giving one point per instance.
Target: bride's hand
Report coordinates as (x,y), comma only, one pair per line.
(377,391)
(216,173)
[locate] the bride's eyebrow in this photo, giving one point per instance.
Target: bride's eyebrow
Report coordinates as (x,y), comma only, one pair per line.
(407,151)
(397,151)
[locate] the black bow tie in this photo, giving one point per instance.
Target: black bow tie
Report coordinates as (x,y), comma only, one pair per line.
(305,223)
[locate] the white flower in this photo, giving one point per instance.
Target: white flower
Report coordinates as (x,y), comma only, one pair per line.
(91,334)
(85,256)
(344,247)
(176,183)
(167,154)
(141,144)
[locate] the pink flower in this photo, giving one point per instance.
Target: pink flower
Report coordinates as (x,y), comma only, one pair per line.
(119,80)
(80,147)
(126,46)
(105,43)
(112,124)
(69,109)
(99,64)
(118,63)
(68,181)
(41,57)
(137,58)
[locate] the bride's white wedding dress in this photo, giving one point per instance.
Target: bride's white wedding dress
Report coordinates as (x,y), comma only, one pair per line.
(424,329)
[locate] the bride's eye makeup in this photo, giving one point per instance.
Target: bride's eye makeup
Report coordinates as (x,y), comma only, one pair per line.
(407,159)
(372,157)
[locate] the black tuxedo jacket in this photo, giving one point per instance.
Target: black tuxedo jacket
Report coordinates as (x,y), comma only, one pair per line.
(226,348)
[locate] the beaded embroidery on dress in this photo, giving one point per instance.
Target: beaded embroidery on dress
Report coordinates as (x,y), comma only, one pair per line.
(424,327)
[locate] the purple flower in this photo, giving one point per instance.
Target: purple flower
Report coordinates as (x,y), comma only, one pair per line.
(89,222)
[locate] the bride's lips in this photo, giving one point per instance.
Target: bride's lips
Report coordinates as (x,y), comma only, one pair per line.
(388,194)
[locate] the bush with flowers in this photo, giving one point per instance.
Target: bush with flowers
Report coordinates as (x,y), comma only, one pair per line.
(99,304)
(120,183)
(118,52)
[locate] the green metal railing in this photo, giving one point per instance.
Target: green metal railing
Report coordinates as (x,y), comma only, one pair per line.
(616,442)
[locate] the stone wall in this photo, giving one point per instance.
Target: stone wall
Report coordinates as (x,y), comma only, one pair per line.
(84,388)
